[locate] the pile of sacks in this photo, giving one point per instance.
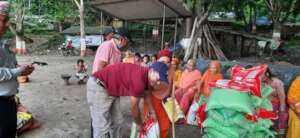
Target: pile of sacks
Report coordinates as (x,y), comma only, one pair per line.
(237,108)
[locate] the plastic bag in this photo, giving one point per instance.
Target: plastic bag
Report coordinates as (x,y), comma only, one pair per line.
(25,120)
(192,114)
(250,77)
(201,115)
(168,106)
(151,130)
(230,99)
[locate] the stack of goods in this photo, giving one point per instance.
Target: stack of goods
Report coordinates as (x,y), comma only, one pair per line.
(239,108)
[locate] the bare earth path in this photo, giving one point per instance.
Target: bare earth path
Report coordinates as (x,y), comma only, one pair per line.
(61,109)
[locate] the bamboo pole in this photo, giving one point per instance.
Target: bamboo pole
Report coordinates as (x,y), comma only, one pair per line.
(173,86)
(173,110)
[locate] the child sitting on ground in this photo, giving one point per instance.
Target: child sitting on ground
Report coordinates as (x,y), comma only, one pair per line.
(81,71)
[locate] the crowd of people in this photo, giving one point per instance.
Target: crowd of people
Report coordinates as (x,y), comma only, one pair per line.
(143,78)
(151,78)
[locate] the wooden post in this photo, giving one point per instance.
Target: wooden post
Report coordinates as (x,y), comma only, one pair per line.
(173,110)
(188,27)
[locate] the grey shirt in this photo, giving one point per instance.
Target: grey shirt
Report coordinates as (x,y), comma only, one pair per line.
(8,71)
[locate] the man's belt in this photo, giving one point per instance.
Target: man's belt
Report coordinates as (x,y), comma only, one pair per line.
(99,82)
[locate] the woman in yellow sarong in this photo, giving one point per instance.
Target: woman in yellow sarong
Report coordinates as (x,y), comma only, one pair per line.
(294,111)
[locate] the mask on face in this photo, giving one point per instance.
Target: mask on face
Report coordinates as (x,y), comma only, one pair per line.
(121,47)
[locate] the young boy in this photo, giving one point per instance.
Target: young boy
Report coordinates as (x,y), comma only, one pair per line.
(81,71)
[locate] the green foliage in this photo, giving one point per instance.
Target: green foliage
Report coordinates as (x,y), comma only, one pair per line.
(55,41)
(8,34)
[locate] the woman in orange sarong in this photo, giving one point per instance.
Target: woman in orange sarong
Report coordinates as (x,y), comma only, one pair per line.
(157,95)
(294,111)
(161,115)
(213,73)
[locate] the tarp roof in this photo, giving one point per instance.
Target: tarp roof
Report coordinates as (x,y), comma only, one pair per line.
(89,30)
(142,9)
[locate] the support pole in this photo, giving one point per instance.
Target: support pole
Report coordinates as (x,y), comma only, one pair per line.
(173,85)
(163,28)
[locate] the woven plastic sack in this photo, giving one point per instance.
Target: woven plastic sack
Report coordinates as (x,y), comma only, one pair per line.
(263,102)
(229,84)
(231,132)
(151,130)
(261,128)
(173,114)
(212,133)
(230,99)
(227,117)
(192,114)
(250,77)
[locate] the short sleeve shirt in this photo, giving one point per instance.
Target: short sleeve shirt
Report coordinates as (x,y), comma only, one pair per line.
(124,79)
(107,52)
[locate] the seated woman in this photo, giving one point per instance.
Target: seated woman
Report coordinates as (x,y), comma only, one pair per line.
(277,98)
(187,86)
(294,110)
(213,73)
(81,71)
(174,63)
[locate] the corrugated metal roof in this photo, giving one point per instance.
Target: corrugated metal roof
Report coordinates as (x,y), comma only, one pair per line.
(141,9)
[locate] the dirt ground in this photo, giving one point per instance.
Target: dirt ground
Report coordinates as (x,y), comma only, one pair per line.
(61,109)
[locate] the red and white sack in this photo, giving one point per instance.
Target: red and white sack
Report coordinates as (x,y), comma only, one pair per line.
(151,130)
(250,77)
(229,84)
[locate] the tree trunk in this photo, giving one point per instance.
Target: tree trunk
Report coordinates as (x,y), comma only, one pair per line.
(204,43)
(253,28)
(188,27)
(82,34)
(60,26)
(277,31)
(20,43)
(82,30)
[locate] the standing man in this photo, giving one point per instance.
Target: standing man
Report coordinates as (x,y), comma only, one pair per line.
(109,52)
(8,79)
(105,87)
(108,34)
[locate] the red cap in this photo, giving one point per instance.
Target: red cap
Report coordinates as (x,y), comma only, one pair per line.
(164,53)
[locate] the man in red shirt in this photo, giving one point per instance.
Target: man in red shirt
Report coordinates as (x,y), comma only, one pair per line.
(106,86)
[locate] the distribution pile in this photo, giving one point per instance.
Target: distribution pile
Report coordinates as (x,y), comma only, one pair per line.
(238,108)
